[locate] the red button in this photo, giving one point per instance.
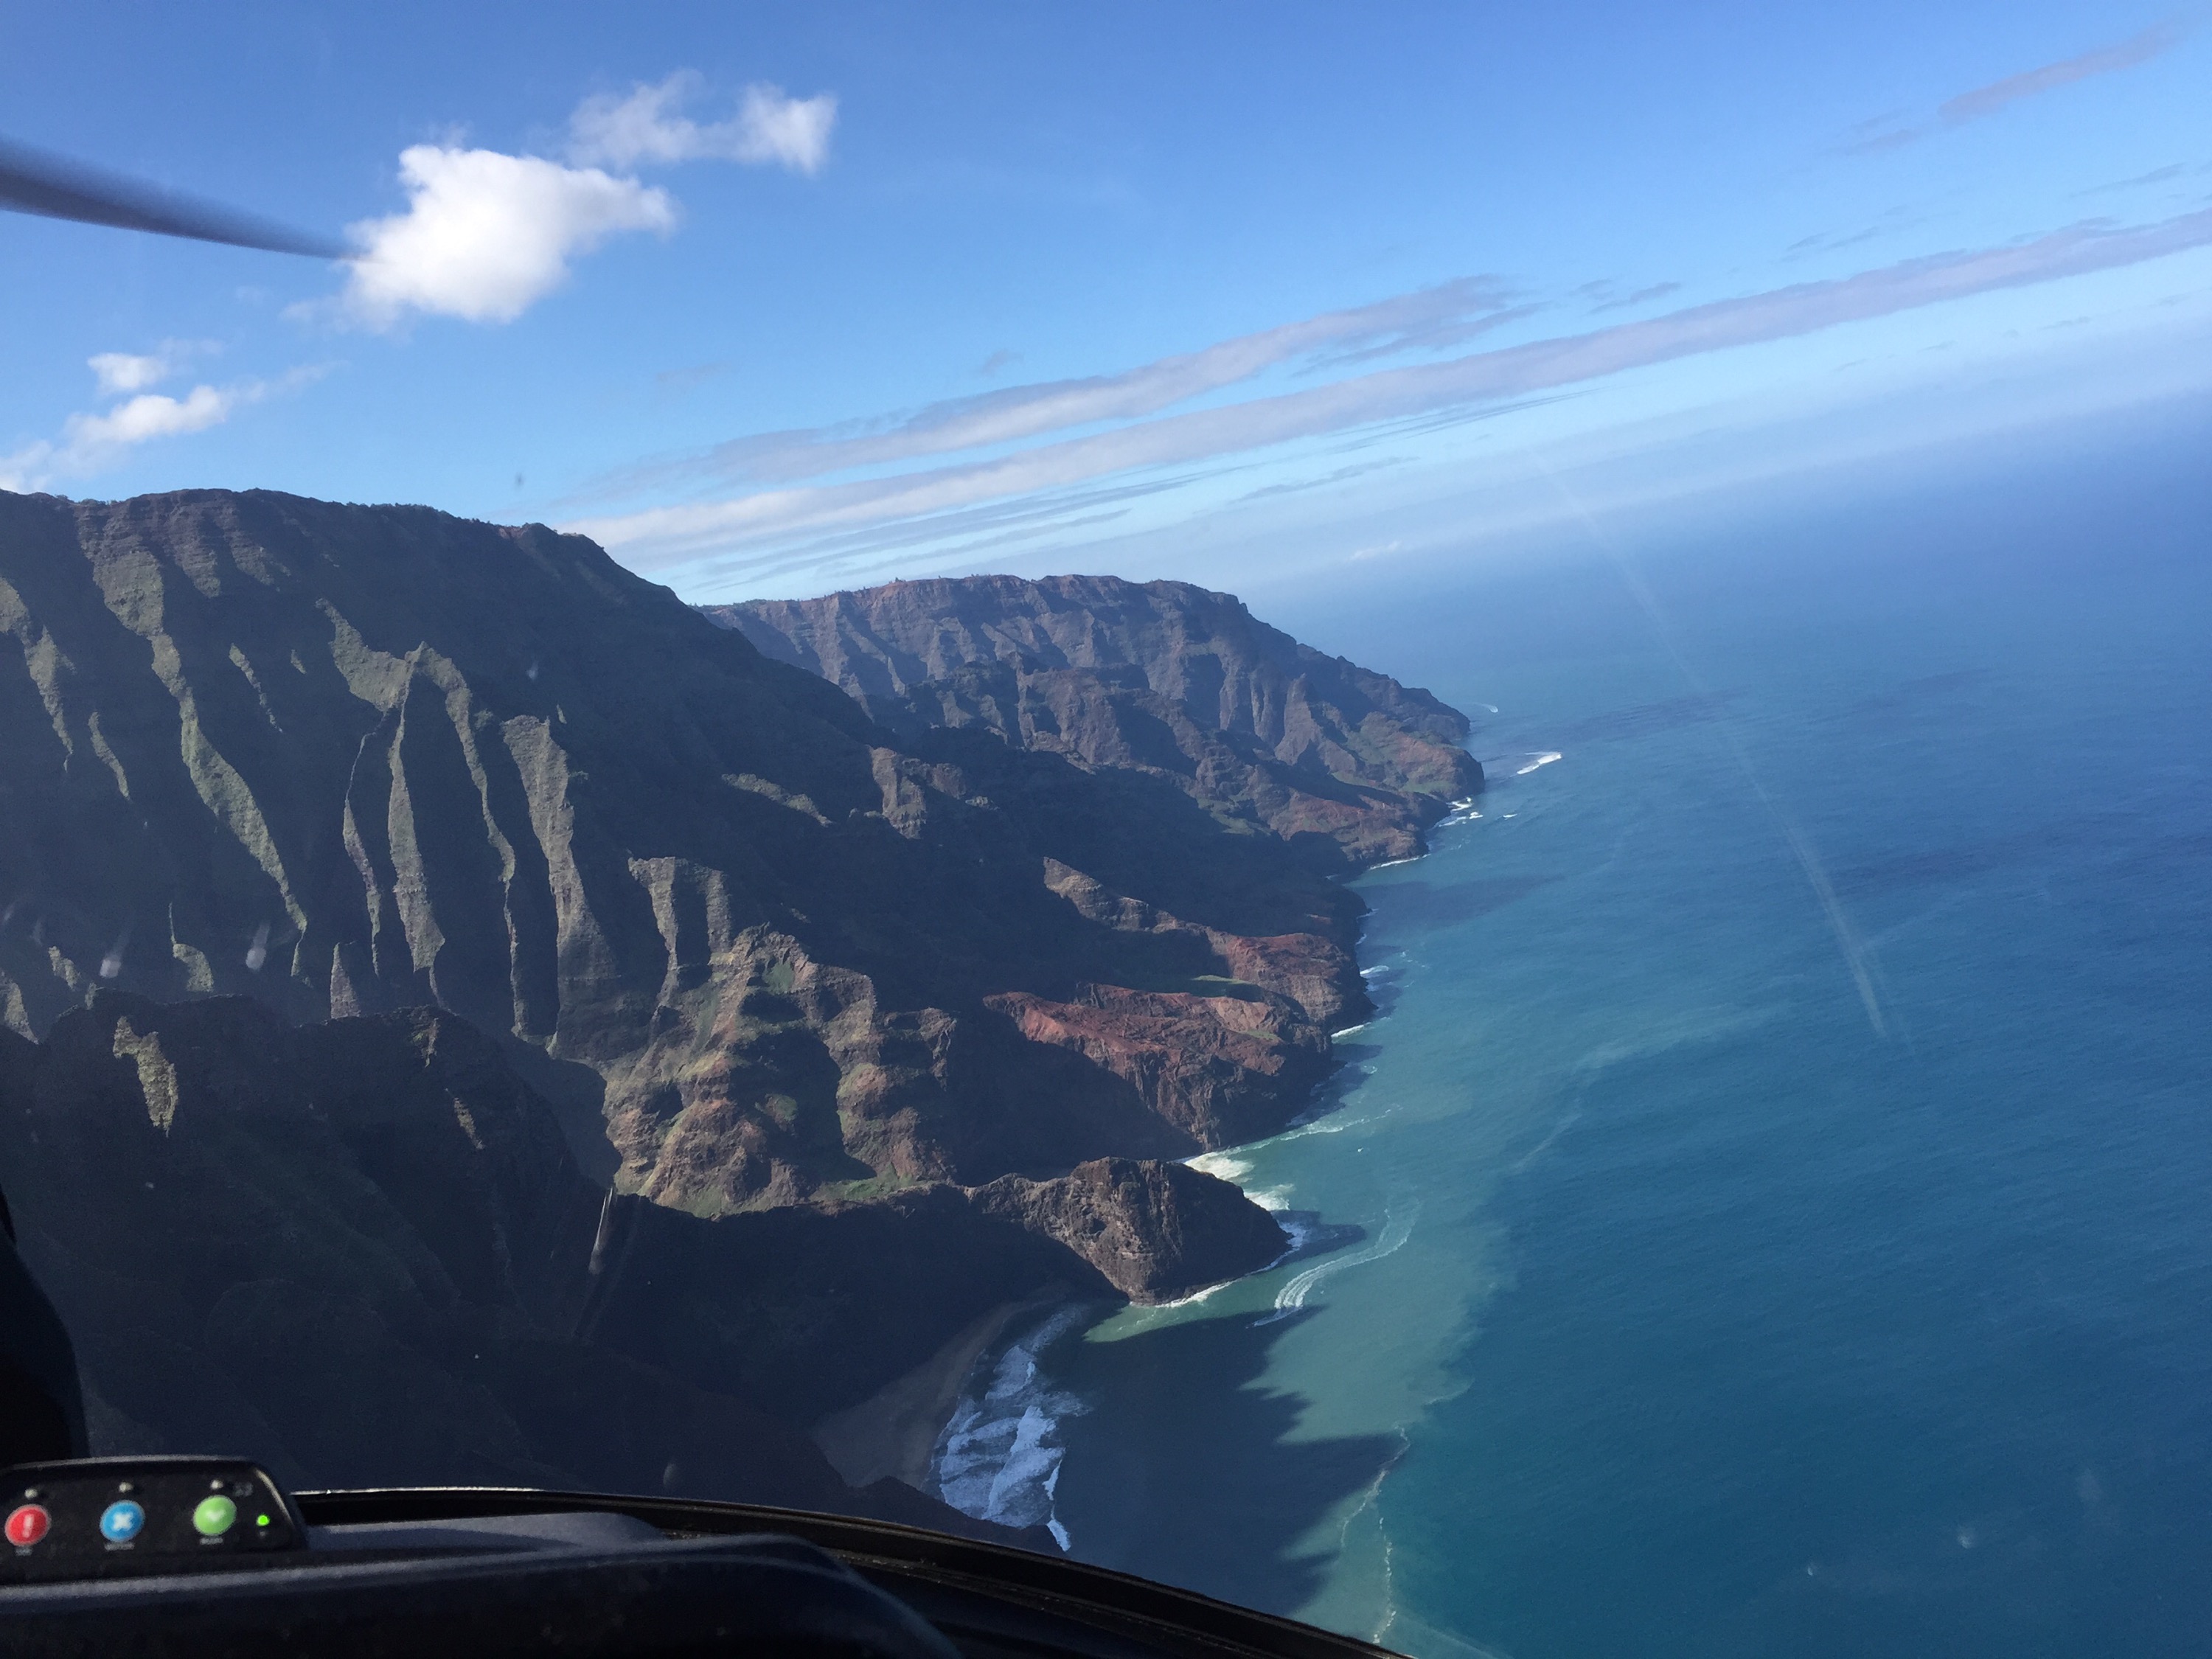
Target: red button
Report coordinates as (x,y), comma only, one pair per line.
(28,1525)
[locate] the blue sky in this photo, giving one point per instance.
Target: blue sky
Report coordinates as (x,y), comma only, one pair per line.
(775,299)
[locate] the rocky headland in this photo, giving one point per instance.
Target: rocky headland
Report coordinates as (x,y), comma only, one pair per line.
(469,1016)
(1163,679)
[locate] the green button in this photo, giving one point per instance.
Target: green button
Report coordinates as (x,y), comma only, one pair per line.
(213,1516)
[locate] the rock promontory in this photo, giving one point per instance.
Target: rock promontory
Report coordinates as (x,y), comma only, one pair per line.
(1153,1231)
(1162,678)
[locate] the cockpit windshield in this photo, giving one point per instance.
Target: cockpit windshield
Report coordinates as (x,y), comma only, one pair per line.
(1400,812)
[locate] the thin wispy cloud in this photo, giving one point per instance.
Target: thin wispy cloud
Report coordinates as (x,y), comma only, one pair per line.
(647,124)
(1639,297)
(2104,60)
(1888,133)
(1207,437)
(1427,318)
(2165,175)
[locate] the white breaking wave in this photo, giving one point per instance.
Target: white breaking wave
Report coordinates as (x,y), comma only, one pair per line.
(1397,1227)
(1535,761)
(998,1458)
(1198,1294)
(1223,1166)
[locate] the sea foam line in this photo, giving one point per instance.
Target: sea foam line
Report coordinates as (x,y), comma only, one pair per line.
(1397,1227)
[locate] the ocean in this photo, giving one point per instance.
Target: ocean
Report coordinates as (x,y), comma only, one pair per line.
(1771,1210)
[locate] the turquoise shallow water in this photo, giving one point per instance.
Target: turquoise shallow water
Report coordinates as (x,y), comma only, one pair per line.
(1691,1313)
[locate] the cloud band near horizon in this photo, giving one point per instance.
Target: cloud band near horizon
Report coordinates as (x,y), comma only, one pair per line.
(661,536)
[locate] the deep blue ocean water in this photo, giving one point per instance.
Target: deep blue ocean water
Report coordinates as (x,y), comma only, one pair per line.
(1783,1159)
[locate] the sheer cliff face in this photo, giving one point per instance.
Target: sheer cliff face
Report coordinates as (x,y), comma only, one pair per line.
(1161,678)
(347,759)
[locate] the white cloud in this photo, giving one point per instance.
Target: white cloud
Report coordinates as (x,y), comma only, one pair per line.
(120,372)
(152,415)
(486,236)
(90,442)
(794,132)
(646,126)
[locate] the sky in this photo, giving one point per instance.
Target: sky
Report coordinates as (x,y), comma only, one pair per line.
(777,299)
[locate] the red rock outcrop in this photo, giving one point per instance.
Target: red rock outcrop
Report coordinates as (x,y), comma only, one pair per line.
(1217,1068)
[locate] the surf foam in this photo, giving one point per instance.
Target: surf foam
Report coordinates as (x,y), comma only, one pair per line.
(999,1457)
(1397,1227)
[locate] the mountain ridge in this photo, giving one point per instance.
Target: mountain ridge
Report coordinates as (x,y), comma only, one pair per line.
(417,760)
(1163,679)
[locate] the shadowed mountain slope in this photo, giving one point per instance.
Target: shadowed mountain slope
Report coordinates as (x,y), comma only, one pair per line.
(352,759)
(361,1253)
(1159,678)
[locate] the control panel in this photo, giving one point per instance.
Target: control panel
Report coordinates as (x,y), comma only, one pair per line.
(106,1516)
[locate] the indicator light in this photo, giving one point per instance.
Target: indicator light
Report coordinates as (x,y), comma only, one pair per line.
(26,1524)
(260,1520)
(215,1516)
(122,1522)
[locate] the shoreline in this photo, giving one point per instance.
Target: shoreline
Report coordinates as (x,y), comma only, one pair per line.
(895,1430)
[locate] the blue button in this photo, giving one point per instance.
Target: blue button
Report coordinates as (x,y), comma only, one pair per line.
(121,1522)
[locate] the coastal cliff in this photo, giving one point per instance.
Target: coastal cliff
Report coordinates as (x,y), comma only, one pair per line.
(1162,678)
(346,760)
(615,1037)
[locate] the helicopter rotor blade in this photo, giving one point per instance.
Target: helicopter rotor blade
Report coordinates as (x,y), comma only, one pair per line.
(53,188)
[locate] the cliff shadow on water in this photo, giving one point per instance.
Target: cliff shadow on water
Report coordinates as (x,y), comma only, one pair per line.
(1217,1491)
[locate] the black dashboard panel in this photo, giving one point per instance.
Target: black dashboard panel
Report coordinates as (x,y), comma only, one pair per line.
(414,1574)
(750,1596)
(116,1517)
(991,1600)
